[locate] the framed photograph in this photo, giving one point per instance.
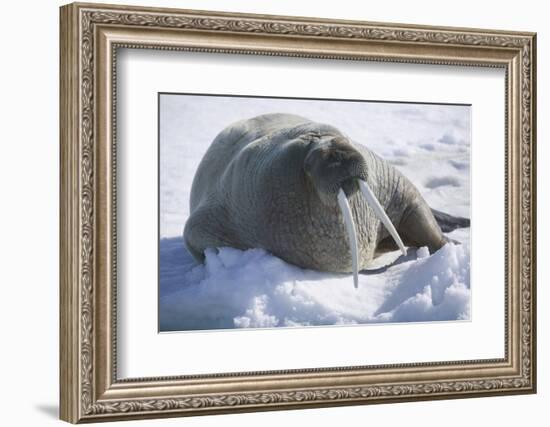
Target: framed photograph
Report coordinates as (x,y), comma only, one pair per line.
(267,212)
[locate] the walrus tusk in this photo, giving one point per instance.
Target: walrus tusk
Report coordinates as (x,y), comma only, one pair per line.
(380,213)
(352,235)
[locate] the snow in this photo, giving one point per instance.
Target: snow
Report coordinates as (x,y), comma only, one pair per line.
(430,144)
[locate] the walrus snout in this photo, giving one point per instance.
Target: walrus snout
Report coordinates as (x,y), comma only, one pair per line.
(333,164)
(350,186)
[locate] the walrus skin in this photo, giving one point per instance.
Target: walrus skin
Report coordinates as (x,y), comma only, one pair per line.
(272,181)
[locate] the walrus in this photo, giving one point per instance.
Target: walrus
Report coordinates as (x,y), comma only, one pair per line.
(307,194)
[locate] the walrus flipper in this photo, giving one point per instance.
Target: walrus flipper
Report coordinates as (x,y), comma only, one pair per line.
(448,223)
(207,227)
(419,228)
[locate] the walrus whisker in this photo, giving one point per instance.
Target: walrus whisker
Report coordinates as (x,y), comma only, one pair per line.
(381,214)
(352,234)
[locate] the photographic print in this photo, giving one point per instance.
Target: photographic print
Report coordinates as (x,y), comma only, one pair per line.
(279,212)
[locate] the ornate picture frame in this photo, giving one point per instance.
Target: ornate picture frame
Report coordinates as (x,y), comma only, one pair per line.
(90,37)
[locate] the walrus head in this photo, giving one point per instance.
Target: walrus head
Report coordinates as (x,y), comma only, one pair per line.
(337,170)
(332,163)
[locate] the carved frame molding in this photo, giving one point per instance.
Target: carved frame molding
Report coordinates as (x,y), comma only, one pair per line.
(90,36)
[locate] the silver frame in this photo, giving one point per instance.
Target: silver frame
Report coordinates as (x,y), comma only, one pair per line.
(90,37)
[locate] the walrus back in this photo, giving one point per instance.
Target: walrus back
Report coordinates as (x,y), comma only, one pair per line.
(228,144)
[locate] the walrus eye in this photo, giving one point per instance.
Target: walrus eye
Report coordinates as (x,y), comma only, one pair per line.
(352,234)
(380,213)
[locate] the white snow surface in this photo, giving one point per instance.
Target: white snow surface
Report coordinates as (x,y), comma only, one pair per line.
(430,144)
